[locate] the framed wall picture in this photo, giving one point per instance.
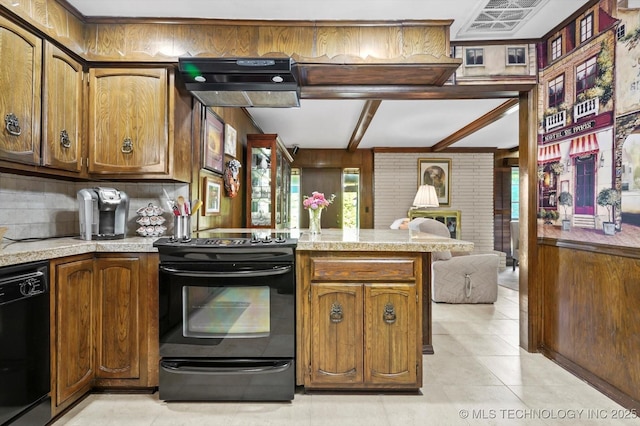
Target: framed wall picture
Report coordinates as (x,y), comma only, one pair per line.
(212,145)
(436,172)
(212,195)
(230,140)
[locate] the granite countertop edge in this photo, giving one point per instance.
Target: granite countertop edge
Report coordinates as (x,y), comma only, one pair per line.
(13,253)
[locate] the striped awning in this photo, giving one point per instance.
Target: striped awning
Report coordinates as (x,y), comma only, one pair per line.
(584,145)
(549,153)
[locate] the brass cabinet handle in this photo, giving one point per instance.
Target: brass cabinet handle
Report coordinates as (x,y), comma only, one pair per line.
(127,146)
(12,124)
(389,314)
(64,139)
(336,314)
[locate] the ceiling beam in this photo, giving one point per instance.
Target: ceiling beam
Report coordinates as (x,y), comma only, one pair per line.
(366,116)
(478,124)
(461,91)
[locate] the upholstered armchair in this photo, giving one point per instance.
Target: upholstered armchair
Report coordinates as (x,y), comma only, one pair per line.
(459,278)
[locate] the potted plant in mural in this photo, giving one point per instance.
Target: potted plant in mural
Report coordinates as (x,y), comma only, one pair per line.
(565,199)
(548,216)
(609,198)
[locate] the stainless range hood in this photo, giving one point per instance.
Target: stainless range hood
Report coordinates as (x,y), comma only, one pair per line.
(242,82)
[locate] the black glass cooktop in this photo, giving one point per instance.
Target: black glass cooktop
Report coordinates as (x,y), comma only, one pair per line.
(230,239)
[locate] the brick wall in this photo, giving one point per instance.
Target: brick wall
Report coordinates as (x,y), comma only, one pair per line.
(396,180)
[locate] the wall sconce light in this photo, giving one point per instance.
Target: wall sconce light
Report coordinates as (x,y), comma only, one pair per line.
(601,160)
(567,164)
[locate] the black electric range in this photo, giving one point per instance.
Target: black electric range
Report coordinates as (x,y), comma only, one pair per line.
(226,309)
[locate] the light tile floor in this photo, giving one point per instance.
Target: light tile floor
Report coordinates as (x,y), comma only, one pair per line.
(478,375)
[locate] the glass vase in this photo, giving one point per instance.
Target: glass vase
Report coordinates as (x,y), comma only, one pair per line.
(314,221)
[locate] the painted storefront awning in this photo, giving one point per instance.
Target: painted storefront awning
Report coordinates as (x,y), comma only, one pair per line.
(584,145)
(549,153)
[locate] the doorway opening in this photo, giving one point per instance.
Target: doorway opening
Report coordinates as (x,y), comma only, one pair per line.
(344,183)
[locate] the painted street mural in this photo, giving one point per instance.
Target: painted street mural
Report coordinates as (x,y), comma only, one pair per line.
(589,132)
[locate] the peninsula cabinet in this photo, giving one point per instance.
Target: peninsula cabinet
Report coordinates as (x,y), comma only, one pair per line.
(62,138)
(360,321)
(139,127)
(102,335)
(20,94)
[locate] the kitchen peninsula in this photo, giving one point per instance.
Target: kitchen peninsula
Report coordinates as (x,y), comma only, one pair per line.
(363,307)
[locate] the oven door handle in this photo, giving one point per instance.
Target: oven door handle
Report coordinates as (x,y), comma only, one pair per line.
(278,270)
(194,367)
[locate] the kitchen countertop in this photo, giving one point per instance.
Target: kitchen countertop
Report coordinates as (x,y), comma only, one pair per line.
(367,240)
(12,253)
(379,240)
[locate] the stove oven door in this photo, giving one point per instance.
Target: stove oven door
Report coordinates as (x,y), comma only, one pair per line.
(227,310)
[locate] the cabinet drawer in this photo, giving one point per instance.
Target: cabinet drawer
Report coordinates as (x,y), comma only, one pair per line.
(363,269)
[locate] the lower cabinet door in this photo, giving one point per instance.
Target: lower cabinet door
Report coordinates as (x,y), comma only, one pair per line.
(336,348)
(118,330)
(391,336)
(74,338)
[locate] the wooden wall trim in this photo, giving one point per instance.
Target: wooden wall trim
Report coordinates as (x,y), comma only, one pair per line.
(529,284)
(619,251)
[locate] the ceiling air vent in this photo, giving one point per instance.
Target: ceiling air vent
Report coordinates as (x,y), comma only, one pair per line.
(504,16)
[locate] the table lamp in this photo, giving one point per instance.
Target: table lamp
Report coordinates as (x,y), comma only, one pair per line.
(426,197)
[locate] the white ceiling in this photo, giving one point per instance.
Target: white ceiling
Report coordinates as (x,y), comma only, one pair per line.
(397,123)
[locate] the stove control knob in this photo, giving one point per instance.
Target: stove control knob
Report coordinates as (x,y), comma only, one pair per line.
(254,239)
(280,239)
(266,239)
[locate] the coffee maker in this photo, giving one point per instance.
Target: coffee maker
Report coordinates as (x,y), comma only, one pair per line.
(103,213)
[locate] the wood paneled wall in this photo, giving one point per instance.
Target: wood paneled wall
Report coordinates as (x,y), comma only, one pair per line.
(338,158)
(591,317)
(137,40)
(232,210)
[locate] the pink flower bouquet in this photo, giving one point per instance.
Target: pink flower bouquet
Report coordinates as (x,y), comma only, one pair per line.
(317,200)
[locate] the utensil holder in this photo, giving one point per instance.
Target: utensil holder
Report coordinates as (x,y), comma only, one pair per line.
(182,227)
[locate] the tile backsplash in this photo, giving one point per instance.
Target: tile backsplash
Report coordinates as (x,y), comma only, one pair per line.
(36,207)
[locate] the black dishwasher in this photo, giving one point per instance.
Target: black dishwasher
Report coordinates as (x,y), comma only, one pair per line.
(24,344)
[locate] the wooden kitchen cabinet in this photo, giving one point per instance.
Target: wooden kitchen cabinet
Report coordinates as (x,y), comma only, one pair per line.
(63,90)
(139,125)
(105,328)
(126,329)
(73,328)
(20,94)
(118,332)
(359,317)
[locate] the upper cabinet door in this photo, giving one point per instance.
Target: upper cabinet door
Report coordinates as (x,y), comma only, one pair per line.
(20,89)
(128,121)
(63,94)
